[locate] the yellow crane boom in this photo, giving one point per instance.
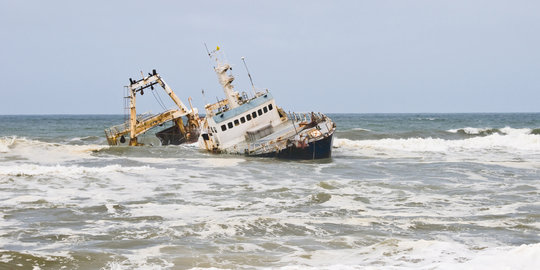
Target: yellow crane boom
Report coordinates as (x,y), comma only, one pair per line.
(137,126)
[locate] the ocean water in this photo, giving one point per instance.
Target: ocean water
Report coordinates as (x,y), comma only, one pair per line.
(402,191)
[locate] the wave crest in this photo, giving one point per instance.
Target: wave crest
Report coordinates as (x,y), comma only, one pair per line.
(66,171)
(489,131)
(361,129)
(46,152)
(513,141)
(475,131)
(5,143)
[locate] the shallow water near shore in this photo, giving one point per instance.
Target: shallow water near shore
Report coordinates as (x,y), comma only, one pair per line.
(427,191)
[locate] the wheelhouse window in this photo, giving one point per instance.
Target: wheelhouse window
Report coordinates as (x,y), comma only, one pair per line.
(254,114)
(248,117)
(236,123)
(260,112)
(270,107)
(242,120)
(223,128)
(265,110)
(230,125)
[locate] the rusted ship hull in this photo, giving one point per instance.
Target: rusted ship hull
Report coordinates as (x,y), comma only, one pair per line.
(174,136)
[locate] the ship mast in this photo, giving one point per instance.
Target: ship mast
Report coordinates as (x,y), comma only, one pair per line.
(225,79)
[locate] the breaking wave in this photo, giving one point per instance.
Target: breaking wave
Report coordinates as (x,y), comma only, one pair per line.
(476,131)
(361,129)
(87,139)
(490,131)
(44,151)
(5,143)
(430,132)
(510,140)
(14,141)
(65,171)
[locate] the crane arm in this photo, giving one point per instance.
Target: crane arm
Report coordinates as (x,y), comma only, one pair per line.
(150,81)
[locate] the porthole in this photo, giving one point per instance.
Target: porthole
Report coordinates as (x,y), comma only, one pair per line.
(248,117)
(254,114)
(236,122)
(270,107)
(242,120)
(265,110)
(230,125)
(223,128)
(260,112)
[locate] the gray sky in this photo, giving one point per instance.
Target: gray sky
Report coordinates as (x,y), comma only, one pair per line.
(74,57)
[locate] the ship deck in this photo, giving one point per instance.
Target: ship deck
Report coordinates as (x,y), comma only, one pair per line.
(281,131)
(282,135)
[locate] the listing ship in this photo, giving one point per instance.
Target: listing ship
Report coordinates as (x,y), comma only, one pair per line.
(238,124)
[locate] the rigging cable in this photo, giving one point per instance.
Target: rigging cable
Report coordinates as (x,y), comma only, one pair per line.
(159,101)
(162,102)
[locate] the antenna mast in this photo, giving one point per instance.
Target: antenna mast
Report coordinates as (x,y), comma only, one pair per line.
(225,79)
(207,50)
(249,75)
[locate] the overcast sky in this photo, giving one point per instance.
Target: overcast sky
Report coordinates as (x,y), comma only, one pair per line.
(75,57)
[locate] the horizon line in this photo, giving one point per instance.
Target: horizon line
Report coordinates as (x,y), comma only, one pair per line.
(53,114)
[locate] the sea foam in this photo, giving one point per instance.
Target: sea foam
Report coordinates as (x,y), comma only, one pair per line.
(420,254)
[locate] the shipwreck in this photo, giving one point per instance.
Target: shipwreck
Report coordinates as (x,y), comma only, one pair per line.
(237,124)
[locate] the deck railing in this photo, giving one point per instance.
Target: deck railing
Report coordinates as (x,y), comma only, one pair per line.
(113,132)
(305,117)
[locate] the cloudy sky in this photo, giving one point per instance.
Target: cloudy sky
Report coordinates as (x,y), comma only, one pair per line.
(75,57)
